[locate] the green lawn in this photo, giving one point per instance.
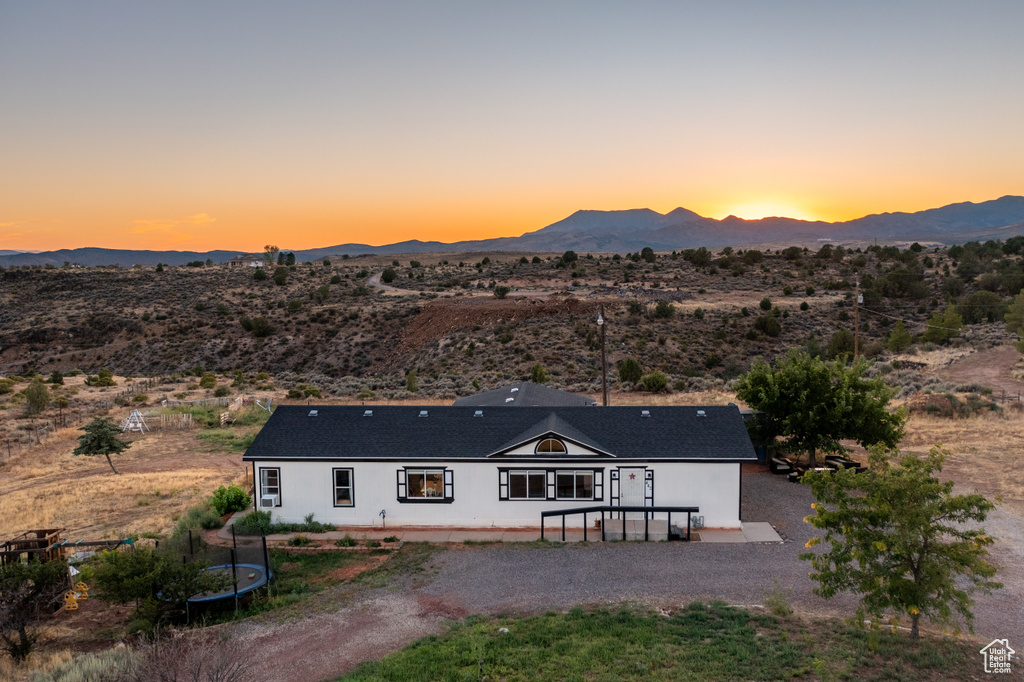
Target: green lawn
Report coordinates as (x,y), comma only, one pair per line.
(698,642)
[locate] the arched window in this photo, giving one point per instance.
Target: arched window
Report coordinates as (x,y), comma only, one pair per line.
(551,445)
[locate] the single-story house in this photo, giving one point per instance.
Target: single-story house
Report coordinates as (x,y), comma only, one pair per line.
(494,466)
(245,262)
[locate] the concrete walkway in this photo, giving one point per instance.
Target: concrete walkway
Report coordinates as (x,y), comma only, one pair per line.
(657,531)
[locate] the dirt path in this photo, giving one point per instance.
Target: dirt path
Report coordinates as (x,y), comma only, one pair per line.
(326,645)
(990,368)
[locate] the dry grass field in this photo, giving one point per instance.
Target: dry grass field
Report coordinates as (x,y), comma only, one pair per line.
(162,475)
(985,452)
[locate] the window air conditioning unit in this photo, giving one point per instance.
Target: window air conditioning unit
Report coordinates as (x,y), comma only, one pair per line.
(268,501)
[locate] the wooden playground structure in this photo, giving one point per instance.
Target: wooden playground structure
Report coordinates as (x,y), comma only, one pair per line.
(44,545)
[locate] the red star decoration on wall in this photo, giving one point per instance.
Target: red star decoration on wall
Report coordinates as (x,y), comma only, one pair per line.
(632,476)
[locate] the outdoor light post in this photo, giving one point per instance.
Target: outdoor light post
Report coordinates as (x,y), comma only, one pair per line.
(604,365)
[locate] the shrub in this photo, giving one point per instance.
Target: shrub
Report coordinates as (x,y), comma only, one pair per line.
(347,541)
(104,378)
(259,275)
(664,310)
(654,382)
(786,291)
(766,303)
(299,541)
(256,522)
(538,374)
(208,380)
(804,306)
(388,276)
(220,391)
(501,292)
(982,306)
(230,499)
(630,370)
(37,397)
(394,538)
(768,325)
(899,338)
(699,313)
(809,291)
(261,327)
(841,344)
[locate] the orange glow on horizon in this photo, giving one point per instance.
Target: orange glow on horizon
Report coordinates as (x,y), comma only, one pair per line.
(766,209)
(246,227)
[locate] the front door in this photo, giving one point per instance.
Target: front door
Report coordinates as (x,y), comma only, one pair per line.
(636,488)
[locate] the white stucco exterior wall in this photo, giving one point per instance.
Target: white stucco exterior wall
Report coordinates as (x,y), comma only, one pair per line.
(307,487)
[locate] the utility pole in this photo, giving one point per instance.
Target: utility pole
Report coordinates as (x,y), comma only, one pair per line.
(856,321)
(604,365)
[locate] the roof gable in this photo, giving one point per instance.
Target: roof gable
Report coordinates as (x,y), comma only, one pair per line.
(552,426)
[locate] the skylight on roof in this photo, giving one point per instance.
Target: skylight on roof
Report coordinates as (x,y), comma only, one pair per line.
(478,413)
(645,413)
(368,413)
(423,413)
(508,400)
(312,413)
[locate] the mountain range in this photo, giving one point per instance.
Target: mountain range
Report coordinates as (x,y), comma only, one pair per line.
(631,230)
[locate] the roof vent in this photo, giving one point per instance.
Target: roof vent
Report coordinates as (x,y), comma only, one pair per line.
(423,413)
(701,413)
(508,400)
(645,413)
(368,413)
(515,389)
(312,413)
(478,413)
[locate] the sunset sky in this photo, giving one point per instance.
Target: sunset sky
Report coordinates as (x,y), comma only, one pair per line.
(230,125)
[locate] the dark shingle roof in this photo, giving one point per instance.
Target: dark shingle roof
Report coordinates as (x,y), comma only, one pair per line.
(526,394)
(452,433)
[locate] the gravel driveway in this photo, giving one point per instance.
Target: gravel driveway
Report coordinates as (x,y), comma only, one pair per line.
(510,579)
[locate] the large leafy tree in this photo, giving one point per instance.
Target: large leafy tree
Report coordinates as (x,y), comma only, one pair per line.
(814,405)
(27,590)
(101,438)
(898,536)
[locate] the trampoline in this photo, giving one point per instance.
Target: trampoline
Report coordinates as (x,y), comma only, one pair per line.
(249,577)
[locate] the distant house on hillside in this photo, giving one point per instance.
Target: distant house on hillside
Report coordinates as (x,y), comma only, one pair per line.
(526,394)
(246,262)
